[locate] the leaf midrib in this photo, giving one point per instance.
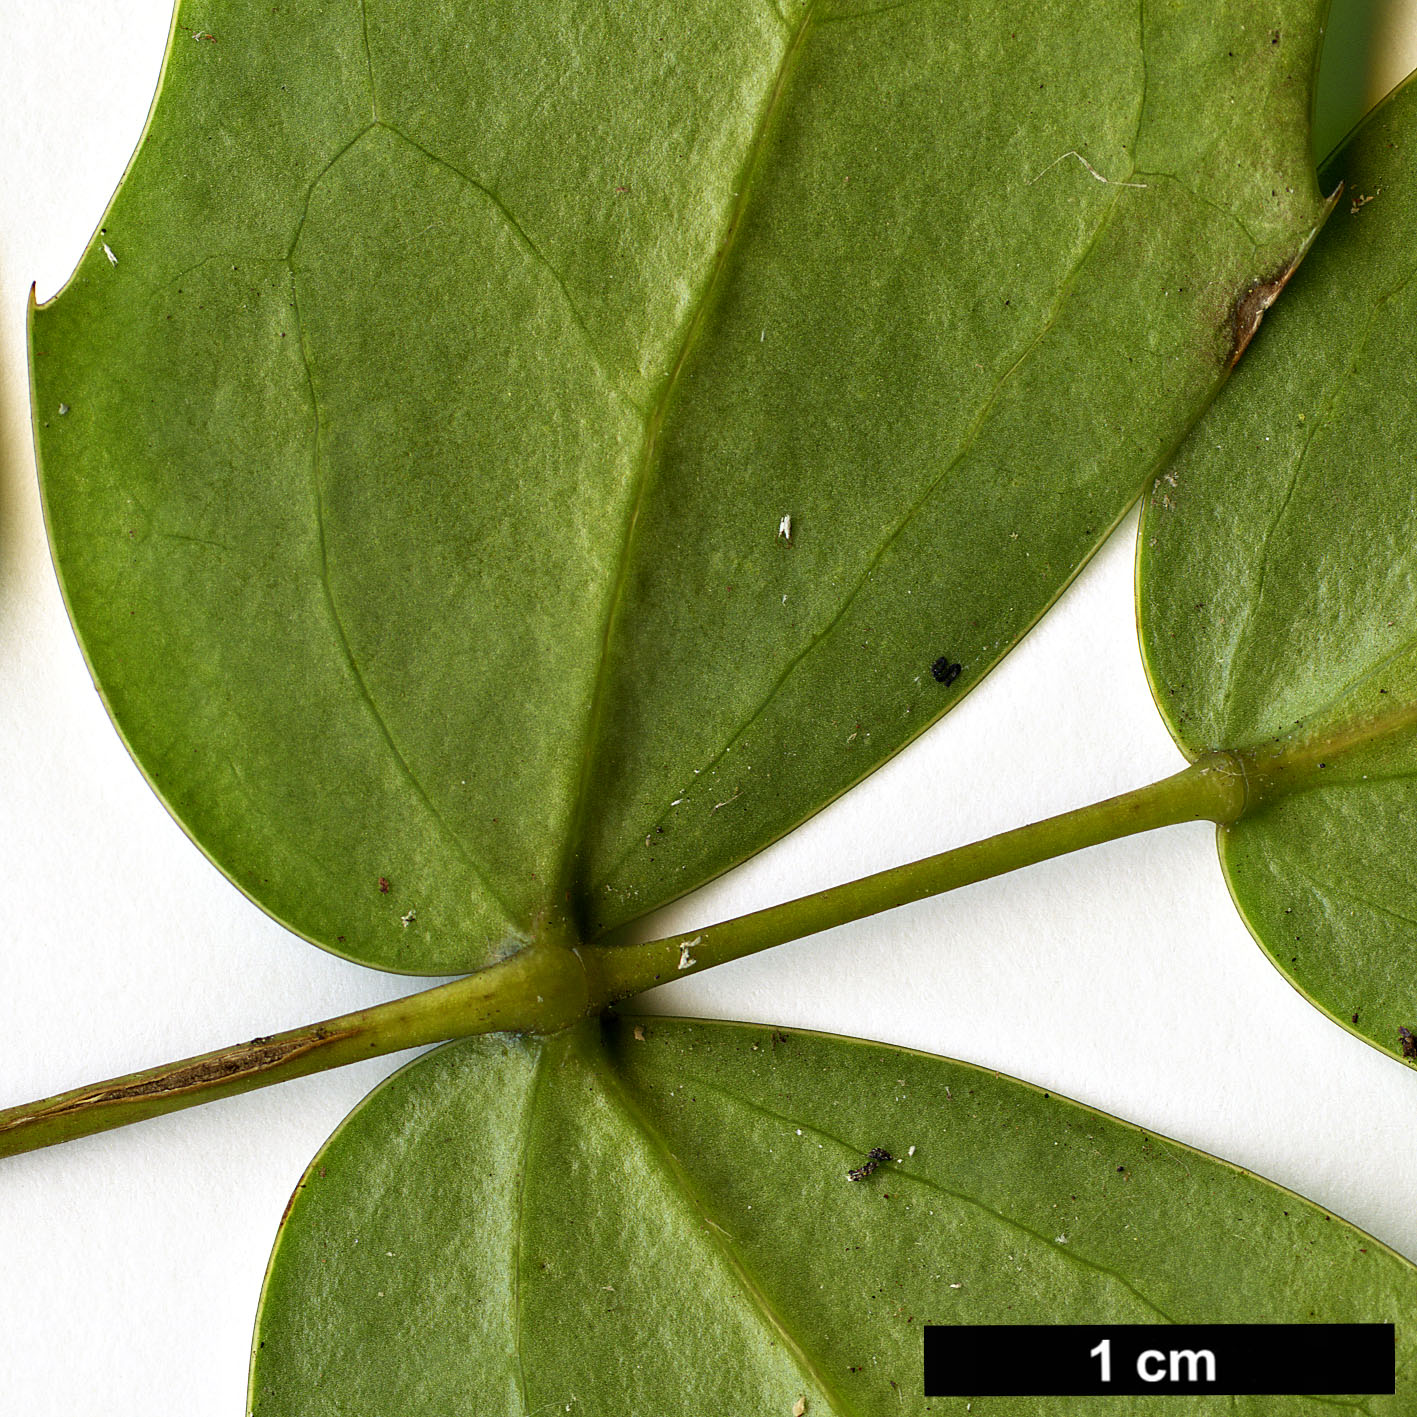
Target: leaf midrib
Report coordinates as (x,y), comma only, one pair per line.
(966,446)
(967,442)
(575,835)
(615,1089)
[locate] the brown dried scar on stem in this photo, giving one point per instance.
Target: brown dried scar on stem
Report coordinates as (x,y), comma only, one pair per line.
(1251,306)
(246,1059)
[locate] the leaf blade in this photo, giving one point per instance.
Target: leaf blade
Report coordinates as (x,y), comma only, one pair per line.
(660,1269)
(1276,605)
(484,556)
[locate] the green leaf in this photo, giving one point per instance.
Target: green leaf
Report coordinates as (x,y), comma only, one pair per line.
(658,1220)
(436,392)
(1278,598)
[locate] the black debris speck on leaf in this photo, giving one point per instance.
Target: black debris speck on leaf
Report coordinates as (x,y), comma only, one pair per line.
(1407,1042)
(945,670)
(874,1157)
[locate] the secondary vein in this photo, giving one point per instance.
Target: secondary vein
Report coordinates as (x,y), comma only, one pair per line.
(523,239)
(855,1150)
(341,635)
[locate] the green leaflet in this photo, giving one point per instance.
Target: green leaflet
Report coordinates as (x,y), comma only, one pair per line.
(1277,582)
(436,393)
(663,1224)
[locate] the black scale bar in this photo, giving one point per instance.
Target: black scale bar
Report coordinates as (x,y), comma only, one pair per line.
(1133,1360)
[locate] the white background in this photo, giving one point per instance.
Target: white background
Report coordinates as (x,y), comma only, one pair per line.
(130,1263)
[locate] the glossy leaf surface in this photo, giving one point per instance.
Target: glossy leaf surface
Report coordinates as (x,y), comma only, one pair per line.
(1278,596)
(657,1219)
(532,458)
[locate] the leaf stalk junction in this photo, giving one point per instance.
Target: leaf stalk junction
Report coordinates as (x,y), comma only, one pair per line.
(550,983)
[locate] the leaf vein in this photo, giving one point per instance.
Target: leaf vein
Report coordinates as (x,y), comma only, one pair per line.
(341,635)
(1202,200)
(529,248)
(874,13)
(1325,887)
(854,1150)
(314,186)
(368,59)
(617,1091)
(1245,634)
(970,438)
(654,425)
(519,1231)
